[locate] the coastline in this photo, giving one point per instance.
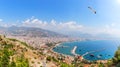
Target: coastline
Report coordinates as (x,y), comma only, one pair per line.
(74,54)
(60,53)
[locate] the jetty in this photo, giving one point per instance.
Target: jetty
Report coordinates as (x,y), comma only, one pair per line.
(93,51)
(73,51)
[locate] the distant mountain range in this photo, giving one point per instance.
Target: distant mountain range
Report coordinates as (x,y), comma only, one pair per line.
(38,32)
(29,31)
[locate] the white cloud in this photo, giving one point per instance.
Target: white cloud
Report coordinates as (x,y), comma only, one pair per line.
(112,29)
(53,25)
(4,25)
(70,27)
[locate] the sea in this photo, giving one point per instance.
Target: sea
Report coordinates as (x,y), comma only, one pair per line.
(91,50)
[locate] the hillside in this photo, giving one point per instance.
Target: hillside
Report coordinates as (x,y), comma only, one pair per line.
(14,53)
(28,31)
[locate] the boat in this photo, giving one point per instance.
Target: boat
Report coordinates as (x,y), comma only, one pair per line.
(92,55)
(100,54)
(79,49)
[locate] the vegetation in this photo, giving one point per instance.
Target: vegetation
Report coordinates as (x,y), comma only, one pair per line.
(65,65)
(13,64)
(12,55)
(54,59)
(49,58)
(49,44)
(23,43)
(116,59)
(22,61)
(7,52)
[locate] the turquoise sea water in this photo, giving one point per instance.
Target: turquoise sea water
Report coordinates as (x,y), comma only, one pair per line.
(97,49)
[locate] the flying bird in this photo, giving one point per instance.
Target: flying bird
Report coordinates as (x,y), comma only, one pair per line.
(94,11)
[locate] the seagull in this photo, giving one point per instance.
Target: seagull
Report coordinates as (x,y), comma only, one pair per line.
(94,11)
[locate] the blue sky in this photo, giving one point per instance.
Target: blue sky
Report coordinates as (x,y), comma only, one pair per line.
(72,13)
(61,10)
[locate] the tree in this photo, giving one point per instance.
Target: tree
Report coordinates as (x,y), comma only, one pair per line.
(13,64)
(48,58)
(5,58)
(5,61)
(22,62)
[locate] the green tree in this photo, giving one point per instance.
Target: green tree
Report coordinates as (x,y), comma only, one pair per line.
(22,62)
(116,58)
(101,65)
(65,65)
(5,61)
(5,58)
(48,58)
(13,64)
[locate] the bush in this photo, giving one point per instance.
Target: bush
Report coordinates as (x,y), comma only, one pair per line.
(33,62)
(49,44)
(22,62)
(13,64)
(38,62)
(48,58)
(54,59)
(65,65)
(118,65)
(35,58)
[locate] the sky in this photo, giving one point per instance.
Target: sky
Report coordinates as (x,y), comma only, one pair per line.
(64,16)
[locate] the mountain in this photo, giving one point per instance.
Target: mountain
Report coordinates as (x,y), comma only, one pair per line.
(29,31)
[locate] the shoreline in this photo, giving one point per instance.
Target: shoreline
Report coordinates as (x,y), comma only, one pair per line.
(60,53)
(72,52)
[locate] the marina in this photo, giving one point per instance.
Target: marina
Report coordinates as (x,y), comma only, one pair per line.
(95,51)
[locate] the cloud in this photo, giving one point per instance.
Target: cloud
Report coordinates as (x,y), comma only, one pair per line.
(73,27)
(113,29)
(53,25)
(70,27)
(2,23)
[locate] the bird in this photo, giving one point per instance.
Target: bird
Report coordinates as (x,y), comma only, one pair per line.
(94,11)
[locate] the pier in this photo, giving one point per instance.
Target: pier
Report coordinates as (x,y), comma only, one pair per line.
(92,52)
(73,51)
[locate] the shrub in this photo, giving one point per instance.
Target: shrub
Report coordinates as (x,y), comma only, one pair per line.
(33,62)
(48,58)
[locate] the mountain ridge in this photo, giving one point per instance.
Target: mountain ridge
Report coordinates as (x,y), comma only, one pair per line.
(29,31)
